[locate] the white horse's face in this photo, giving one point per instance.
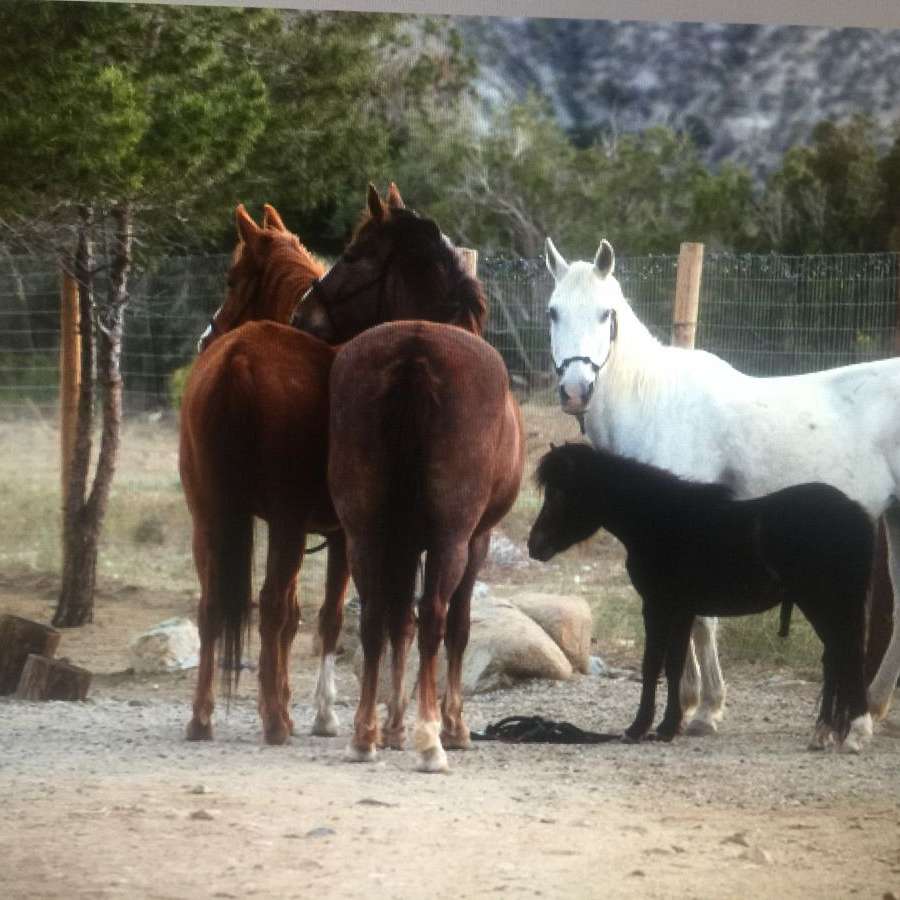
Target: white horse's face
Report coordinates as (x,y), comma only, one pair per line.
(583,321)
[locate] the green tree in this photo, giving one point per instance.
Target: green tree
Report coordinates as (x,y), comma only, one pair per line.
(111,110)
(828,197)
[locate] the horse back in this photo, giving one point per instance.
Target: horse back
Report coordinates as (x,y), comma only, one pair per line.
(259,393)
(423,419)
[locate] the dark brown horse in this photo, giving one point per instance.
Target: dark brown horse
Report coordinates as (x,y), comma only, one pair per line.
(254,429)
(426,456)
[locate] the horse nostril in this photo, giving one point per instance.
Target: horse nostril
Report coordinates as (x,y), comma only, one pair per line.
(587,393)
(563,396)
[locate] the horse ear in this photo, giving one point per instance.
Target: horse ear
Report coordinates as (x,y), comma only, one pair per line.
(271,219)
(248,230)
(376,207)
(555,263)
(605,260)
(395,201)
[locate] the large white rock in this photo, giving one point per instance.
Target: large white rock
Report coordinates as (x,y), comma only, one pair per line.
(505,646)
(167,647)
(566,618)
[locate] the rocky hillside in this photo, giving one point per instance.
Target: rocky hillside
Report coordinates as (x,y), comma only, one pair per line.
(745,92)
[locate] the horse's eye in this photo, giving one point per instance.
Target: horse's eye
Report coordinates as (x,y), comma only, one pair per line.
(553,314)
(604,315)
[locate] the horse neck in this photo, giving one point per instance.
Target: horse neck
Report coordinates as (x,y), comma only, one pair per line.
(286,278)
(460,303)
(634,498)
(637,362)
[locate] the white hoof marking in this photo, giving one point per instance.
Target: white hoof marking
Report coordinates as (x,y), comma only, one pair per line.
(325,724)
(701,727)
(355,755)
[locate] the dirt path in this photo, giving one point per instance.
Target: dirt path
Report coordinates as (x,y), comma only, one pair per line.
(105,800)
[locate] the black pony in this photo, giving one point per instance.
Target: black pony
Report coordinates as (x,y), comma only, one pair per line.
(693,550)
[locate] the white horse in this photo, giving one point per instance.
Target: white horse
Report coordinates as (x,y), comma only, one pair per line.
(690,412)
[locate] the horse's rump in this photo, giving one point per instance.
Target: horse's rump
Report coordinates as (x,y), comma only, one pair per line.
(424,406)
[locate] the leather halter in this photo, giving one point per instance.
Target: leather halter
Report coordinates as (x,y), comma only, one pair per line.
(613,333)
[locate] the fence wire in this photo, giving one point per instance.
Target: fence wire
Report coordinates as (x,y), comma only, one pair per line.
(766,315)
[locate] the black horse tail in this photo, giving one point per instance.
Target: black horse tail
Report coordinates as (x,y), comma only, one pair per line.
(232,591)
(231,562)
(410,405)
(784,620)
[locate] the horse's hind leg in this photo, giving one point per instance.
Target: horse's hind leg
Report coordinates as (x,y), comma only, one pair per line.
(454,733)
(210,628)
(401,627)
(365,557)
(278,619)
(712,685)
(881,690)
(331,615)
(444,570)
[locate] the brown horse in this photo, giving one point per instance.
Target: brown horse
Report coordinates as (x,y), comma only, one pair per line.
(254,431)
(426,456)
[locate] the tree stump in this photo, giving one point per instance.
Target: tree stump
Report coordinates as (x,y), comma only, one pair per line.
(52,679)
(18,638)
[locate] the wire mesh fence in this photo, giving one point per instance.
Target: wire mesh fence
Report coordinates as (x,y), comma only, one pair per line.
(767,315)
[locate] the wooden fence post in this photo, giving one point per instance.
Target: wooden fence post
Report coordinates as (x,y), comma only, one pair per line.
(469,259)
(69,376)
(687,295)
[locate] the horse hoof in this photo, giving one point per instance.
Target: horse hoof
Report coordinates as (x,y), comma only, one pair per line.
(456,740)
(701,728)
(860,733)
(633,737)
(354,754)
(434,761)
(325,724)
(822,739)
(277,734)
(199,731)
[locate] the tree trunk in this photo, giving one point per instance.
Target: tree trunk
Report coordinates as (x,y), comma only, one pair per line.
(52,679)
(19,638)
(84,517)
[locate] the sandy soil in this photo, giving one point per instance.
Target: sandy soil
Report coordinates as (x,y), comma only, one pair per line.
(104,799)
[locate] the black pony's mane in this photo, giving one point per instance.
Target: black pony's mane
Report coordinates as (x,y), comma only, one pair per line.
(576,464)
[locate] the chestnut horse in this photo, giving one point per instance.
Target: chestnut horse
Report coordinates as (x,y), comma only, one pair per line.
(254,430)
(426,455)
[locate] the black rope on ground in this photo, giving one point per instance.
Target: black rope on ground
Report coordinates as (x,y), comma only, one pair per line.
(537,730)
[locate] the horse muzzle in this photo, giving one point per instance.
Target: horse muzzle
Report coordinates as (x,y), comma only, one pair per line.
(576,399)
(539,548)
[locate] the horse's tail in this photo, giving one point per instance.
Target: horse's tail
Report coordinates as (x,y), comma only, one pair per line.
(225,423)
(784,619)
(232,590)
(410,403)
(850,645)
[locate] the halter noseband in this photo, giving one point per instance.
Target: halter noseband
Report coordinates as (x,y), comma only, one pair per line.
(613,333)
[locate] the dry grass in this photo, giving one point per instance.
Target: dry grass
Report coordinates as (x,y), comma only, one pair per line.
(146,541)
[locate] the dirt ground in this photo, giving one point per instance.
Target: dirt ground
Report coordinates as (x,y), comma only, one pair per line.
(104,799)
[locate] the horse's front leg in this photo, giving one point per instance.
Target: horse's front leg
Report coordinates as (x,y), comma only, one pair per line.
(676,651)
(656,639)
(454,732)
(712,684)
(331,616)
(402,625)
